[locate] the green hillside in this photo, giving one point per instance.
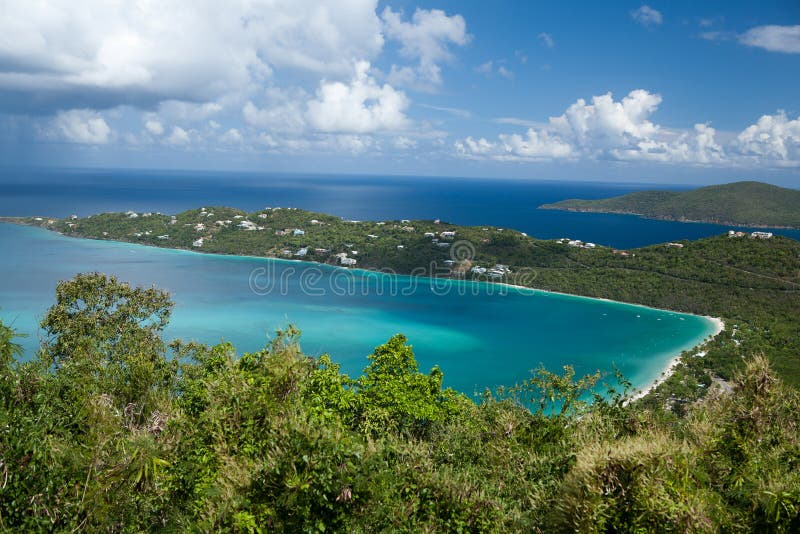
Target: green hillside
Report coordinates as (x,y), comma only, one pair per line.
(739,203)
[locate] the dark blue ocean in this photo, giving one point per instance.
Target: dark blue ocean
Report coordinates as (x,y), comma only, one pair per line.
(505,203)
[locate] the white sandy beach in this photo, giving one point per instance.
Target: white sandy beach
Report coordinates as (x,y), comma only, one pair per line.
(719,326)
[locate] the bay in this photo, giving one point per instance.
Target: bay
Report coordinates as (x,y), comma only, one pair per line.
(481,335)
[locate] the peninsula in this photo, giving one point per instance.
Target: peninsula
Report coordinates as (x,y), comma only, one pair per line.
(750,281)
(741,203)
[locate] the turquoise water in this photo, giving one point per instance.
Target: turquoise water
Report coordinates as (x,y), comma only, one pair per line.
(479,334)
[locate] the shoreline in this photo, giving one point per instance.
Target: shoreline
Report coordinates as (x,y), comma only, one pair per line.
(551,207)
(360,269)
(672,365)
(638,393)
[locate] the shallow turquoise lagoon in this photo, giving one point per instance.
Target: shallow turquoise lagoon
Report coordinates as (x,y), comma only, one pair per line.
(481,335)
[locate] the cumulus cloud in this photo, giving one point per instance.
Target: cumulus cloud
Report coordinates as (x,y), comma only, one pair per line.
(361,106)
(283,110)
(232,137)
(425,38)
(547,40)
(154,127)
(605,123)
(773,38)
(603,128)
(622,130)
(80,126)
(141,52)
(178,137)
(647,16)
(774,138)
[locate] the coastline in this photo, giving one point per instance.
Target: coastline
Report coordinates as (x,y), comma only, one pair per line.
(361,270)
(552,207)
(638,393)
(672,365)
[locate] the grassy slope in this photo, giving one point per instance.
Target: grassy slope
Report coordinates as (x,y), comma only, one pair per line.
(743,203)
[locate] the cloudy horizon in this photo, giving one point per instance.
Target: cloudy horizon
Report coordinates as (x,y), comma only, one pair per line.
(413,89)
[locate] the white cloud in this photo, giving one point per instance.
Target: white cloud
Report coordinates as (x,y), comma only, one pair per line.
(773,38)
(535,145)
(425,38)
(605,123)
(470,147)
(774,138)
(647,16)
(456,112)
(547,40)
(154,127)
(601,129)
(488,69)
(107,53)
(485,68)
(361,106)
(283,110)
(178,137)
(403,143)
(80,126)
(232,137)
(505,73)
(622,130)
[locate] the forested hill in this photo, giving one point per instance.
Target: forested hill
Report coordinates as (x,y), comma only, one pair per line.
(739,203)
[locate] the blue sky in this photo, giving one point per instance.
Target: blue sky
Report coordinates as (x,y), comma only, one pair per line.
(663,91)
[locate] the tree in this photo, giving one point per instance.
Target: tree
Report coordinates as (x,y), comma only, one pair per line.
(104,336)
(394,395)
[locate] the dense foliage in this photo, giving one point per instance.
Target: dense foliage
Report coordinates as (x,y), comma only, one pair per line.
(106,429)
(742,203)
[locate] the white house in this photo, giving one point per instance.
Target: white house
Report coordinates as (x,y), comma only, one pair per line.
(197,242)
(298,231)
(447,235)
(761,235)
(348,261)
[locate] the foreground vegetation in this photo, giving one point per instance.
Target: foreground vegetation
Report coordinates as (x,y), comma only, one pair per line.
(739,203)
(103,431)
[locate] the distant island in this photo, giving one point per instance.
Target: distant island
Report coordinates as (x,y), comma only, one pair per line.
(753,204)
